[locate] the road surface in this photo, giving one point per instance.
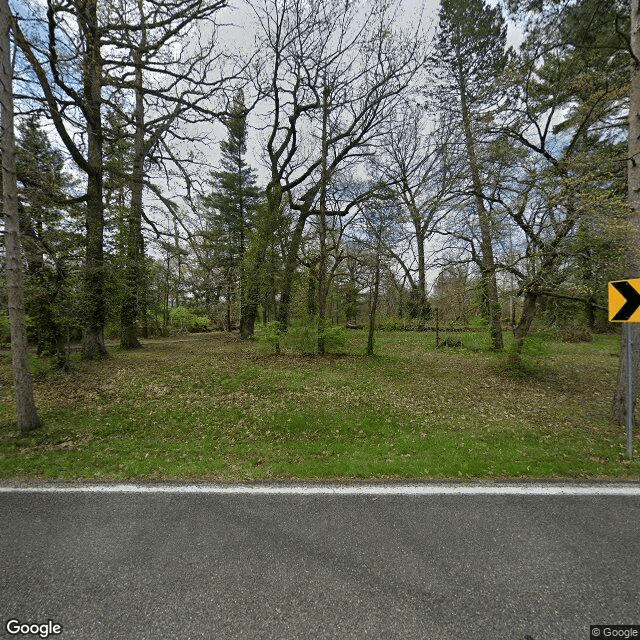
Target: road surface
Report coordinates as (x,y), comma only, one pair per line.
(137,566)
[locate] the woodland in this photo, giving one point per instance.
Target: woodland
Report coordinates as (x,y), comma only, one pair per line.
(296,173)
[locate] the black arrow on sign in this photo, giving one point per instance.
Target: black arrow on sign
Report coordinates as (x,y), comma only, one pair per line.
(632,300)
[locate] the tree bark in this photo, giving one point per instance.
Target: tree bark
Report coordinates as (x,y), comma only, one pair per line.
(130,304)
(422,274)
(322,262)
(488,263)
(254,263)
(619,409)
(26,407)
(93,339)
(289,272)
(528,314)
(374,303)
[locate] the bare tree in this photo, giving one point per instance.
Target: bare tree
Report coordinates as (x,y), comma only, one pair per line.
(168,70)
(424,168)
(27,414)
(93,51)
(332,75)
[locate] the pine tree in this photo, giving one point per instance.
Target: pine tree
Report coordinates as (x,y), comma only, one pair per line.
(231,204)
(48,238)
(470,57)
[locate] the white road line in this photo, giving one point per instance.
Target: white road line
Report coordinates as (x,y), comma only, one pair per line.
(552,489)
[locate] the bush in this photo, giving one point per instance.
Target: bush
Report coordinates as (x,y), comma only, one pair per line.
(393,323)
(199,323)
(184,319)
(478,323)
(269,336)
(302,337)
(335,339)
(576,334)
(528,361)
(5,330)
(180,318)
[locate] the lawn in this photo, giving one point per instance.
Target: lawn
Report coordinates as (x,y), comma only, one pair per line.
(211,407)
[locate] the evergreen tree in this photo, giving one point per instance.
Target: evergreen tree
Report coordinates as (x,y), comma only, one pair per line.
(471,56)
(231,204)
(49,237)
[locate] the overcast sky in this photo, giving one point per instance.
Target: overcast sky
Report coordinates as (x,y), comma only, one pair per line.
(238,29)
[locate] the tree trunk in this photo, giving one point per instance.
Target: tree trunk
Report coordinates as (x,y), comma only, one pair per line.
(528,313)
(312,294)
(130,305)
(422,276)
(176,242)
(93,339)
(249,310)
(254,263)
(374,304)
(322,262)
(488,263)
(144,298)
(289,272)
(322,279)
(27,414)
(228,295)
(619,409)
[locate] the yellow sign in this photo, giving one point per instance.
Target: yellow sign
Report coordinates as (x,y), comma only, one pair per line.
(624,300)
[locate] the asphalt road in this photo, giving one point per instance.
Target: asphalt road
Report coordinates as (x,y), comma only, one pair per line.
(167,566)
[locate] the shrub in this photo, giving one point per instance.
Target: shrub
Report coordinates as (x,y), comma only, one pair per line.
(393,323)
(269,336)
(528,361)
(478,322)
(184,319)
(576,334)
(335,339)
(302,336)
(199,323)
(180,318)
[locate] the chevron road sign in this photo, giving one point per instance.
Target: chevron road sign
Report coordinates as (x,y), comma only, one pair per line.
(624,300)
(624,306)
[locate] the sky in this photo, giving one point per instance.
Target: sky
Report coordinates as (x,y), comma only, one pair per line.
(237,31)
(238,28)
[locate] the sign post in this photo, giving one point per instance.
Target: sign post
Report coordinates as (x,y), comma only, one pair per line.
(624,306)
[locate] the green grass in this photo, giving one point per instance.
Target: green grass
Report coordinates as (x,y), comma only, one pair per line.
(216,408)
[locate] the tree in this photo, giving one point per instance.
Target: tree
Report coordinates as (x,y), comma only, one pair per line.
(424,170)
(49,237)
(74,90)
(231,204)
(27,413)
(377,216)
(94,53)
(471,55)
(152,65)
(564,109)
(620,411)
(332,75)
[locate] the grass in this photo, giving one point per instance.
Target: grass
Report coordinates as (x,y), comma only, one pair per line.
(216,408)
